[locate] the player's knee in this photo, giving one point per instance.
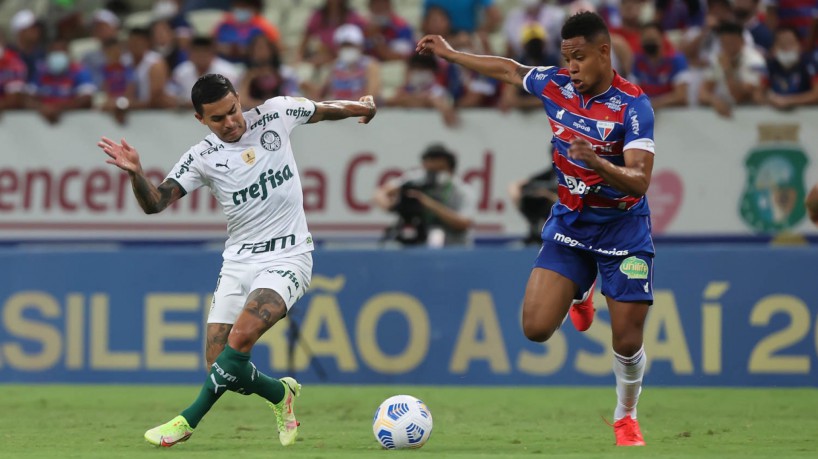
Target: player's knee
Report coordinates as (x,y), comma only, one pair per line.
(627,345)
(537,332)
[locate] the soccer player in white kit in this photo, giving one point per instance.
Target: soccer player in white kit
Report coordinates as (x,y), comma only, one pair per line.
(247,162)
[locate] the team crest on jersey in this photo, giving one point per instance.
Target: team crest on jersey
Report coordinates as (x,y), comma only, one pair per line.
(567,91)
(605,128)
(614,104)
(270,140)
(249,156)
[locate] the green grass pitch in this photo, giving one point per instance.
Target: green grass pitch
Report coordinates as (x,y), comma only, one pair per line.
(59,421)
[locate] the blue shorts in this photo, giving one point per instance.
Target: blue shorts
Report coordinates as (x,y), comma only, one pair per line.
(574,251)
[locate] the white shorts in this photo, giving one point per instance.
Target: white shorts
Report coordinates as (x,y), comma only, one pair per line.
(289,277)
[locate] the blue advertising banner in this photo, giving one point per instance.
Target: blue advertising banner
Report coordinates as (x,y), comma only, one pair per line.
(723,316)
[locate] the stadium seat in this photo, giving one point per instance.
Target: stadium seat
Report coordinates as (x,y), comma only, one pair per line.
(204,21)
(138,19)
(79,47)
(392,75)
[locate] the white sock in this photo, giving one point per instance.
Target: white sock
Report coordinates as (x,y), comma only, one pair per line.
(584,296)
(628,372)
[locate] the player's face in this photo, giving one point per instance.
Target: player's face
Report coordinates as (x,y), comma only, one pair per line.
(588,63)
(224,119)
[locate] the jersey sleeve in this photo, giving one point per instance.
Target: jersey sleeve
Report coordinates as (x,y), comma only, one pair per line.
(187,172)
(294,111)
(639,125)
(536,79)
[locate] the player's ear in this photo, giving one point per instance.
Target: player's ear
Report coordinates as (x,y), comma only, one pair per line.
(199,117)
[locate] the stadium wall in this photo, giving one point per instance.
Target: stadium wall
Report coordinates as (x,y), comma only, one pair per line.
(741,177)
(738,316)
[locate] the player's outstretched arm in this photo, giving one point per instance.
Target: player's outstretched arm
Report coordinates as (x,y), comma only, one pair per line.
(341,109)
(152,199)
(499,68)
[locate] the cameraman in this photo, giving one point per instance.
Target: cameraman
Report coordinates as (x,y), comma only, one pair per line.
(534,197)
(434,207)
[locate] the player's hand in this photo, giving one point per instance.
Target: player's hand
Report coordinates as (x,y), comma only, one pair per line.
(369,101)
(123,155)
(435,44)
(424,199)
(582,150)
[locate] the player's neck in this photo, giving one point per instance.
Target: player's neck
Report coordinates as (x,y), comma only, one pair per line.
(603,85)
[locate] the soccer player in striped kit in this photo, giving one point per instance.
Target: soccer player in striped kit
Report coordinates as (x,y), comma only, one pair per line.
(602,128)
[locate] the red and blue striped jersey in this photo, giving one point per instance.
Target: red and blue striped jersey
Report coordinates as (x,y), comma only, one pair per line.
(619,119)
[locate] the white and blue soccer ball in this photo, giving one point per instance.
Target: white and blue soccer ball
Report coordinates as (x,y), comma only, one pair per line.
(402,422)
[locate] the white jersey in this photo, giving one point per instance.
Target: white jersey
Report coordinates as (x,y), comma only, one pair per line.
(256,181)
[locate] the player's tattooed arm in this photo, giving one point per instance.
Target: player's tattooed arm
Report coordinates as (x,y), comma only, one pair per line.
(329,110)
(154,199)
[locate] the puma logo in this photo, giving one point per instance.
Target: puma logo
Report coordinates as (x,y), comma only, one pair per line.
(223,165)
(213,378)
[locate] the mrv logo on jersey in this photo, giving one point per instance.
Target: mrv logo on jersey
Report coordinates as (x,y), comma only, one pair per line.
(259,190)
(268,246)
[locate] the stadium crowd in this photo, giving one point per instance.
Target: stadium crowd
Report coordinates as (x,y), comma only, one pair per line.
(84,55)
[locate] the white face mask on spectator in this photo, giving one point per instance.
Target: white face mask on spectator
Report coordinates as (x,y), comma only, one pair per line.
(349,54)
(787,58)
(243,15)
(57,62)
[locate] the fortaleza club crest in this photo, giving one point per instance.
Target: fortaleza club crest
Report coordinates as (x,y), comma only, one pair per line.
(270,140)
(773,198)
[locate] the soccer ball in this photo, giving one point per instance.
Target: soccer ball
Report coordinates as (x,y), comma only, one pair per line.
(402,422)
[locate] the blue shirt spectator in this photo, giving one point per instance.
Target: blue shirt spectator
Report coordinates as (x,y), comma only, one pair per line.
(661,74)
(464,14)
(792,78)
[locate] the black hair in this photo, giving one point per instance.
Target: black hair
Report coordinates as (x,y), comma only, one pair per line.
(423,61)
(201,42)
(439,151)
(257,5)
(140,32)
(210,88)
(730,28)
(782,29)
(655,25)
(585,24)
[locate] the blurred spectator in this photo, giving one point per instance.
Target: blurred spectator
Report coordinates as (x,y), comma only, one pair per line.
(118,83)
(12,78)
(469,15)
(747,14)
(203,60)
(680,14)
(662,76)
(802,15)
(267,77)
(535,54)
(389,36)
(702,42)
(422,90)
(28,40)
(234,33)
(478,90)
(549,16)
(434,207)
(104,27)
(631,27)
(735,73)
(317,45)
(60,85)
(353,74)
(171,11)
(534,198)
(164,42)
(481,17)
(151,73)
(791,76)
